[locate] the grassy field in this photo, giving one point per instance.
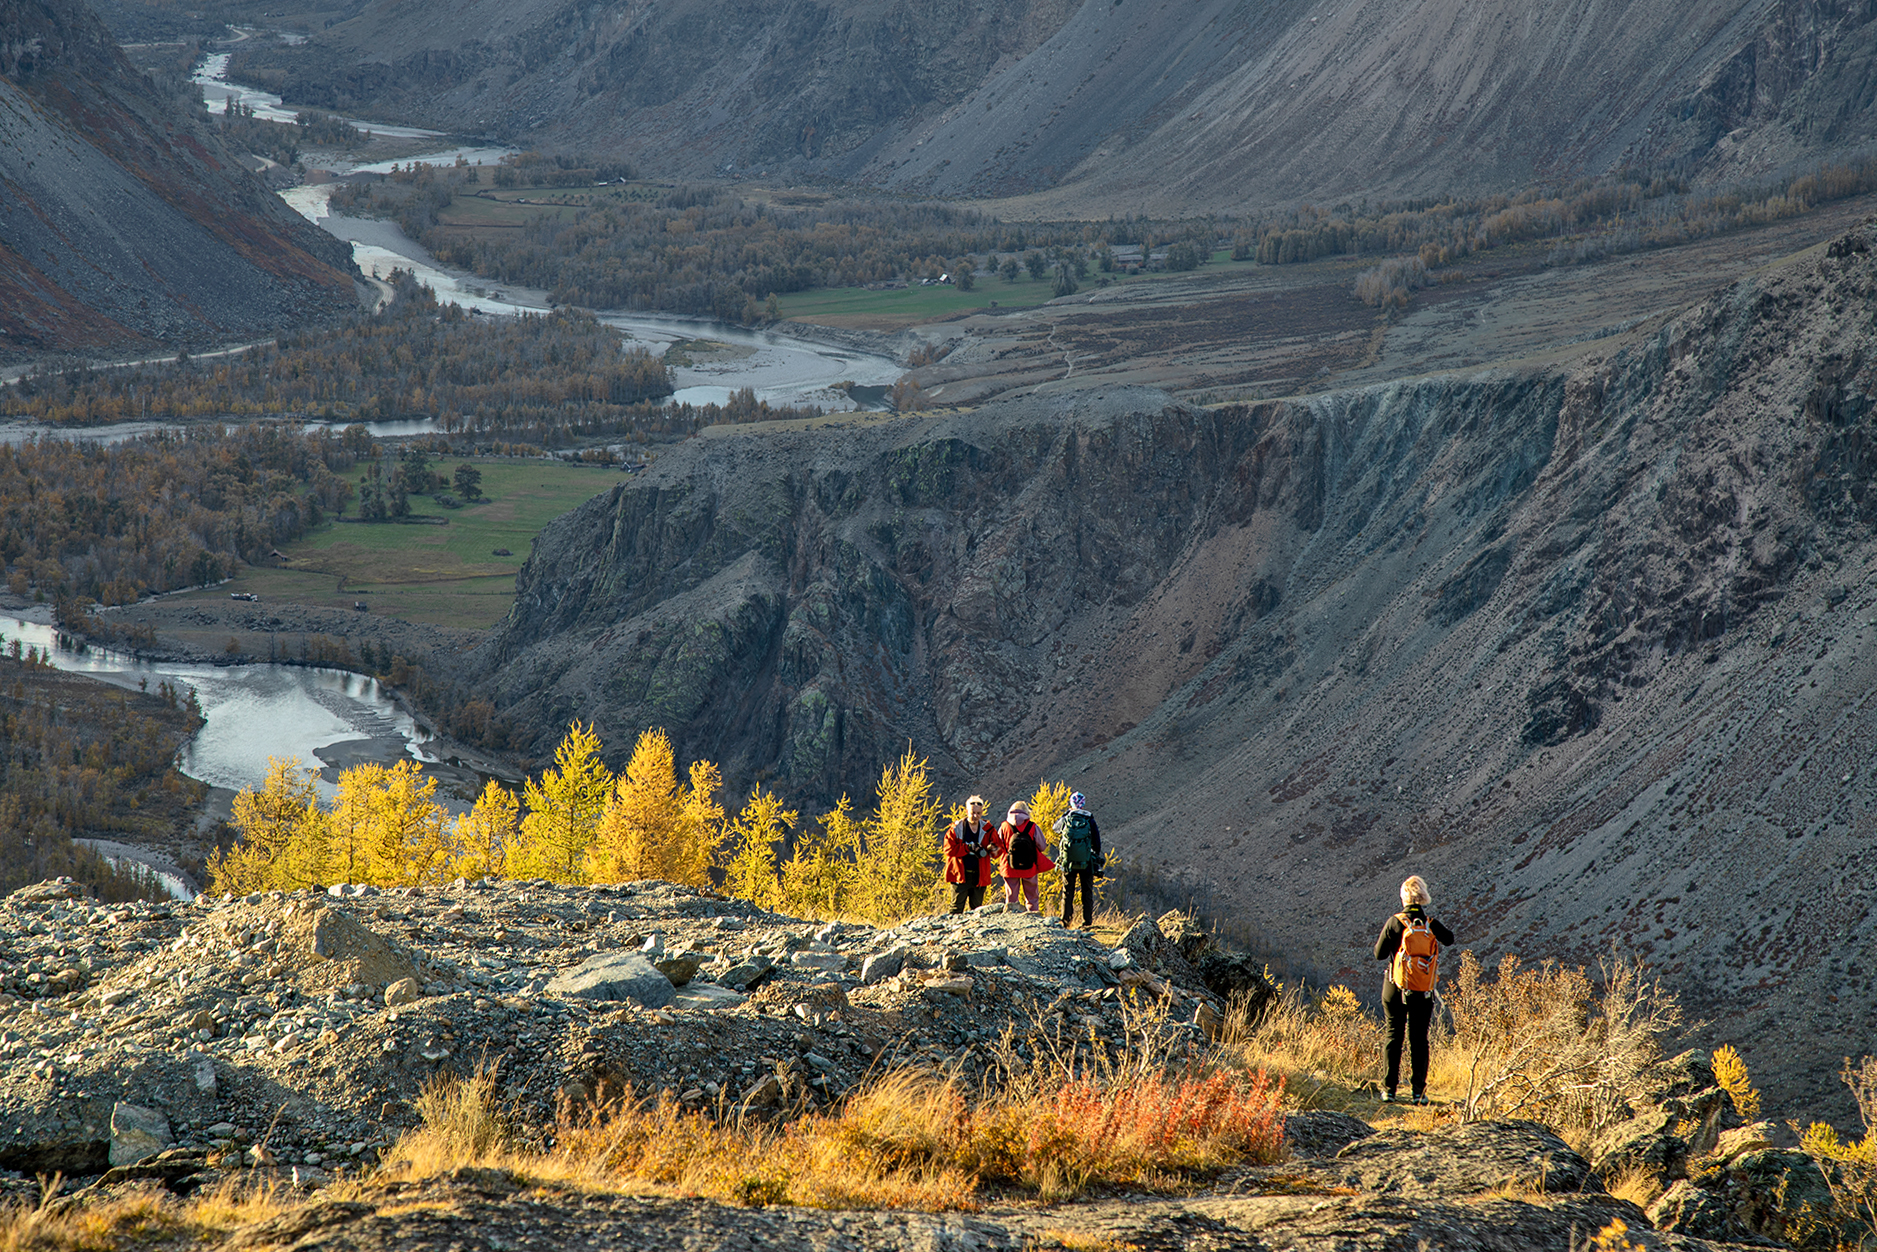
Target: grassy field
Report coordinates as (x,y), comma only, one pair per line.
(443,575)
(858,308)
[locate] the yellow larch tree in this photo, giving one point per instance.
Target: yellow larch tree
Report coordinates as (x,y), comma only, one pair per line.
(700,826)
(821,878)
(564,809)
(638,829)
(353,823)
(268,818)
(485,833)
(901,852)
(411,832)
(750,844)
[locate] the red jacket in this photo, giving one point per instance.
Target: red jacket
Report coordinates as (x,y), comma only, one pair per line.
(1006,833)
(957,850)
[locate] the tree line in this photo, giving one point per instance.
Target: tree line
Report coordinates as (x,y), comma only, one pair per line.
(1590,218)
(579,822)
(79,758)
(413,358)
(706,251)
(543,381)
(165,510)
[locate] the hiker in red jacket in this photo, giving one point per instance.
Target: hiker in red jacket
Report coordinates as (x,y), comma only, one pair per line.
(971,847)
(1026,854)
(1410,943)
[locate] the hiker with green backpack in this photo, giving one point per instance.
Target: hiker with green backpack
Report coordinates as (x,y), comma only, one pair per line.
(1078,838)
(1410,943)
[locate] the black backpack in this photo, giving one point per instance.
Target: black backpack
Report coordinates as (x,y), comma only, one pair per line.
(1023,848)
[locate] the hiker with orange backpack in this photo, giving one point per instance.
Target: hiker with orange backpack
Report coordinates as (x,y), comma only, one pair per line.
(1410,943)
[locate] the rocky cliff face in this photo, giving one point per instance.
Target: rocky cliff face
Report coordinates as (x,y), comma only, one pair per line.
(126,224)
(1171,108)
(1592,648)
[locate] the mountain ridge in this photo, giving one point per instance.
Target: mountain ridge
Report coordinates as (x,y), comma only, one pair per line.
(1100,108)
(128,225)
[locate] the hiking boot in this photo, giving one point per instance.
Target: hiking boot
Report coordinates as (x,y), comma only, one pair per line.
(1418,1098)
(1388,1097)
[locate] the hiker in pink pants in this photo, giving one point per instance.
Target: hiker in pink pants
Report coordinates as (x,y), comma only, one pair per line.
(1026,854)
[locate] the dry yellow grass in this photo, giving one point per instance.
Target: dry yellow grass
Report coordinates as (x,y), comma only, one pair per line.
(1054,1128)
(137,1217)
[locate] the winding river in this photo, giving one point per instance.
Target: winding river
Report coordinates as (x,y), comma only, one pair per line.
(331,718)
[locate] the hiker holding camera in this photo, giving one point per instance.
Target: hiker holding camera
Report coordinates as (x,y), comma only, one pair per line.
(971,846)
(1410,943)
(1078,839)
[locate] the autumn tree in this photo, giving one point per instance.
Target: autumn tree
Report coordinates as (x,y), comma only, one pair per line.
(564,808)
(901,841)
(638,829)
(269,819)
(749,845)
(485,834)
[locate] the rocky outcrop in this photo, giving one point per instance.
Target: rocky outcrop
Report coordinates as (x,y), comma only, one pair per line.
(292,1031)
(126,224)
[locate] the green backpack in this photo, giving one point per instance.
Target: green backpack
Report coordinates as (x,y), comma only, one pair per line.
(1078,849)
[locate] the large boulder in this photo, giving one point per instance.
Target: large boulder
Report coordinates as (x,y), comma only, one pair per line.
(137,1133)
(1237,980)
(1184,932)
(1761,1194)
(1646,1141)
(615,976)
(1465,1160)
(1149,949)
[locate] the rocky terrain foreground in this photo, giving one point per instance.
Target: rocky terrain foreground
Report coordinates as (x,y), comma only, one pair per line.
(283,1036)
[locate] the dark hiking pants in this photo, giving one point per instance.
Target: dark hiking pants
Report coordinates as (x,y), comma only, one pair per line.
(966,895)
(1085,877)
(1408,1013)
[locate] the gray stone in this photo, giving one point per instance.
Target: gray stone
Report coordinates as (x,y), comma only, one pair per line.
(1686,1209)
(679,968)
(205,1076)
(748,974)
(819,1061)
(403,991)
(1742,1140)
(987,958)
(827,962)
(954,962)
(706,995)
(615,976)
(882,965)
(766,1093)
(137,1133)
(1465,1159)
(1323,1132)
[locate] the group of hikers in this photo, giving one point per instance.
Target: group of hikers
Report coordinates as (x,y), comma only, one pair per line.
(1019,850)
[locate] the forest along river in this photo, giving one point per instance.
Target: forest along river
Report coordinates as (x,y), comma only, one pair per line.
(328,719)
(778,368)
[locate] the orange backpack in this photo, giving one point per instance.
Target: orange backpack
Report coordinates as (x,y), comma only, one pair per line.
(1417,960)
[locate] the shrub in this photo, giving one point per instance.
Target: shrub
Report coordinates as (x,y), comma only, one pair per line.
(1850,1168)
(1548,1043)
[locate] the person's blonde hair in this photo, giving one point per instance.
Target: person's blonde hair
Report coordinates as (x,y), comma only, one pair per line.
(977,800)
(1414,891)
